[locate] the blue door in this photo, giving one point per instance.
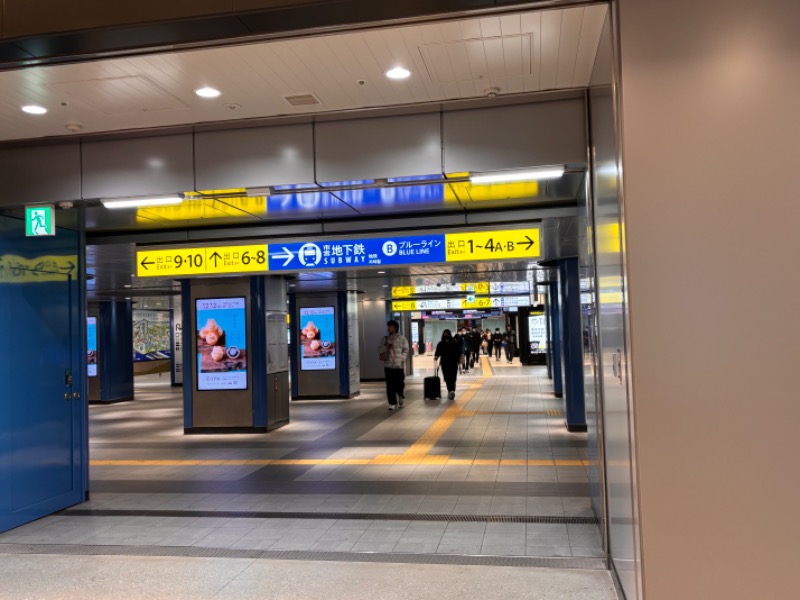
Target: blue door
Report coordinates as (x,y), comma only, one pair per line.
(42,405)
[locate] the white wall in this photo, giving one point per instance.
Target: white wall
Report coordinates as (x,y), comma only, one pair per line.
(711,120)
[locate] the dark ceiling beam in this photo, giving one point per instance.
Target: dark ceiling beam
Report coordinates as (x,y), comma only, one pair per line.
(242,27)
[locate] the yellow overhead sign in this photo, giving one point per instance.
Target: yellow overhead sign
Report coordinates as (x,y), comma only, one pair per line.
(407,291)
(340,253)
(17,269)
(222,260)
(484,302)
(492,245)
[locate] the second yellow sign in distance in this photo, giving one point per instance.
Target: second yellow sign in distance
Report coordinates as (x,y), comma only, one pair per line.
(202,261)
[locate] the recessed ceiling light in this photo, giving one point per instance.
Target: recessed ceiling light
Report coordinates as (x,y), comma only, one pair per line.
(208,92)
(398,73)
(384,285)
(34,109)
(381,272)
(127,285)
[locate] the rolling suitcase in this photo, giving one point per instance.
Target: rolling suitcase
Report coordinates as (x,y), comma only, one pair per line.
(432,387)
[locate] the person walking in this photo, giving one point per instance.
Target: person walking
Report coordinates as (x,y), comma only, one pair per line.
(448,352)
(393,351)
(489,342)
(510,338)
(465,346)
(476,346)
(497,340)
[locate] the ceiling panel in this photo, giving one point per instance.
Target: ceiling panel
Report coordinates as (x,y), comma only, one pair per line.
(523,52)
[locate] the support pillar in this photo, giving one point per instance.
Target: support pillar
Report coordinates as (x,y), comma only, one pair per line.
(112,381)
(572,344)
(555,347)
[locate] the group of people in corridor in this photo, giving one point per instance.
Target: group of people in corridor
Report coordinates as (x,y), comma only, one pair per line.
(455,353)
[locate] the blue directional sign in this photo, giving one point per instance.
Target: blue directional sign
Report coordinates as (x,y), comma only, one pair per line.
(364,252)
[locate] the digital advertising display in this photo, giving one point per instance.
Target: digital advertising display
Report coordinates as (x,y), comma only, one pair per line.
(317,339)
(91,346)
(221,344)
(537,333)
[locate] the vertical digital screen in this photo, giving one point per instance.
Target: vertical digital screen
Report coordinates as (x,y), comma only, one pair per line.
(317,339)
(91,346)
(537,333)
(221,344)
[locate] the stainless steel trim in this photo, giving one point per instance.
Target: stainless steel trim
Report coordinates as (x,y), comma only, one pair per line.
(617,85)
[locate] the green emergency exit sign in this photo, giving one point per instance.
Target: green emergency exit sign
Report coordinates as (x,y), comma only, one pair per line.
(40,220)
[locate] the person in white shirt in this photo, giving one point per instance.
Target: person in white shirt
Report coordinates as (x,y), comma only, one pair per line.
(393,351)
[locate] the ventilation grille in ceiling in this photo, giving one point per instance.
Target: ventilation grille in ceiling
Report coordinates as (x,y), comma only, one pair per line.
(303,99)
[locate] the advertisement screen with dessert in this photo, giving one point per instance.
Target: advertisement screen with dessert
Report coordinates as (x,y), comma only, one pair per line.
(317,339)
(91,346)
(221,344)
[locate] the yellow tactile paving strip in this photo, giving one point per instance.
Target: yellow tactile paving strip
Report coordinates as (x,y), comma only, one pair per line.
(418,454)
(549,413)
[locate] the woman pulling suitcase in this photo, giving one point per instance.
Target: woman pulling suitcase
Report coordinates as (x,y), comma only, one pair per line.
(448,351)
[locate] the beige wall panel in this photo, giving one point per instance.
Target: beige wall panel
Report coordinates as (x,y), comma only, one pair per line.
(33,17)
(711,205)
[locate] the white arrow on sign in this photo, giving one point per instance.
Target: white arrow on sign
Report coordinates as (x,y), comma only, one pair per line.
(286,254)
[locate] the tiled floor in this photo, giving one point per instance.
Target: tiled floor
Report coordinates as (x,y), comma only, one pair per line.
(354,476)
(138,578)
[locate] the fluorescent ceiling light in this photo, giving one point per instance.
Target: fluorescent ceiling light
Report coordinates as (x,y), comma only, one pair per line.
(34,109)
(140,202)
(208,92)
(398,73)
(520,175)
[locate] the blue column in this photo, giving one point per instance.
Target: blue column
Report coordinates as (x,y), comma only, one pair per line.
(343,345)
(555,346)
(293,341)
(188,332)
(258,351)
(115,330)
(571,334)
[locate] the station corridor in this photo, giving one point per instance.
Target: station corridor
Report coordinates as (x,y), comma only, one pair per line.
(490,481)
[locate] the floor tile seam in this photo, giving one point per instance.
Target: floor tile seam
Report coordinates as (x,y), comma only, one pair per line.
(550,562)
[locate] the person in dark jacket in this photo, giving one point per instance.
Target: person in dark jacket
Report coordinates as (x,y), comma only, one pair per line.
(489,342)
(510,339)
(466,349)
(497,338)
(448,351)
(476,346)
